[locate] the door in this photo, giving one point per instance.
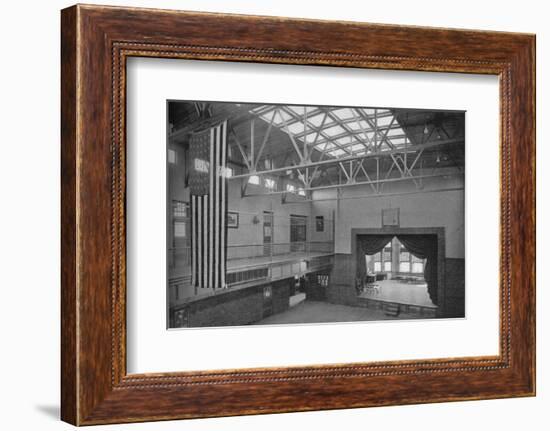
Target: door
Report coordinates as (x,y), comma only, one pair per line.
(267,302)
(268,233)
(298,231)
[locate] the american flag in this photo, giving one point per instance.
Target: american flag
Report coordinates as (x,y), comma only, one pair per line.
(208,189)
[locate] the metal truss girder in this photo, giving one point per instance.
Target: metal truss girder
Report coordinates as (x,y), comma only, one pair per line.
(360,183)
(386,153)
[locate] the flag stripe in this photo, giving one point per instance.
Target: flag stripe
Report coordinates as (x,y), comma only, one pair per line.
(200,243)
(193,241)
(217,216)
(221,217)
(205,241)
(223,211)
(212,260)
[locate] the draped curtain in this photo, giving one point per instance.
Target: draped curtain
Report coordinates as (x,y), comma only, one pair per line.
(424,247)
(369,244)
(420,246)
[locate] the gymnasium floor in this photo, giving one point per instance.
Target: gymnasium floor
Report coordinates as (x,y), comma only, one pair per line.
(319,312)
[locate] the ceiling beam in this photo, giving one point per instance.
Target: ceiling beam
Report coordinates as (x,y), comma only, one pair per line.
(361,183)
(386,153)
(373,195)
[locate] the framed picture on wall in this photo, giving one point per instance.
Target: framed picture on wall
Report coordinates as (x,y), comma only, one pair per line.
(232,220)
(169,311)
(390,217)
(319,223)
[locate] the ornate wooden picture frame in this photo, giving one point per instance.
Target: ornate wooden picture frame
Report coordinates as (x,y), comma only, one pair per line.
(96,41)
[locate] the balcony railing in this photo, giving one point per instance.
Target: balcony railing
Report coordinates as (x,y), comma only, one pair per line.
(180,257)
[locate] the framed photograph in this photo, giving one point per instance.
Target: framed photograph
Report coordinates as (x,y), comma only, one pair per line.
(319,223)
(232,220)
(305,189)
(390,216)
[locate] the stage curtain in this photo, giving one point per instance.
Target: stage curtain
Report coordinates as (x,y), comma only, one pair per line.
(369,244)
(424,247)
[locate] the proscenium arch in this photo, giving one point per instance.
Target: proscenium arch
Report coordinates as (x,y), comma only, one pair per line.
(439,232)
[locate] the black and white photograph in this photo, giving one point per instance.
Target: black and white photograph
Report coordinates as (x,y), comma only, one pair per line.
(275,215)
(298,214)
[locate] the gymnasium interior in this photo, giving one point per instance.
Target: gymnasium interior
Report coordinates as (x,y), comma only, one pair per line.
(315,214)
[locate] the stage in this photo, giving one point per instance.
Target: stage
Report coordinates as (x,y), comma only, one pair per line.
(400,292)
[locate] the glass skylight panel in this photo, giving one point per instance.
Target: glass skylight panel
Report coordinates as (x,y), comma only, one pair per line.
(398,142)
(395,132)
(300,109)
(353,125)
(357,124)
(268,115)
(364,125)
(325,146)
(310,137)
(285,115)
(317,120)
(296,128)
(343,114)
(337,152)
(345,140)
(334,130)
(384,121)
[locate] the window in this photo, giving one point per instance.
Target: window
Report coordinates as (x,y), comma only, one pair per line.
(270,183)
(322,280)
(418,267)
(180,213)
(382,260)
(180,229)
(180,209)
(417,264)
(254,179)
(404,259)
(172,157)
(404,267)
(301,192)
(410,263)
(387,257)
(290,188)
(179,251)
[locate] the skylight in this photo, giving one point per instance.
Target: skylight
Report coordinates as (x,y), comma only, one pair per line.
(338,131)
